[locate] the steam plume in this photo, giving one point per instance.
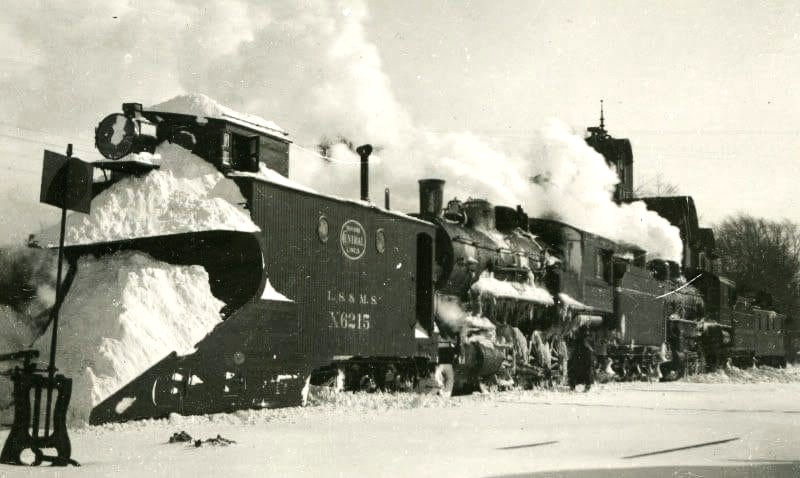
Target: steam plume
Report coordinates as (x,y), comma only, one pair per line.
(312,68)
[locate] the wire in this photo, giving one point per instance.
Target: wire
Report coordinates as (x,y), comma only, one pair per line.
(67,139)
(714,132)
(21,170)
(528,134)
(643,152)
(41,142)
(314,153)
(90,150)
(34,130)
(679,288)
(328,158)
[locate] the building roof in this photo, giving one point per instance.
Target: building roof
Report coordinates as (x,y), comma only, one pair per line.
(705,239)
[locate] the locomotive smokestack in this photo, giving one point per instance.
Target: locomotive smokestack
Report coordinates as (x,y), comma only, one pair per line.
(431,193)
(364,151)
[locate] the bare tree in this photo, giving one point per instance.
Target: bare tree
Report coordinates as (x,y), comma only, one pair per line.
(762,255)
(656,185)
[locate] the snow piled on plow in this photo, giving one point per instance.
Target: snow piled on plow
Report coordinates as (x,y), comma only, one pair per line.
(123,313)
(202,106)
(187,194)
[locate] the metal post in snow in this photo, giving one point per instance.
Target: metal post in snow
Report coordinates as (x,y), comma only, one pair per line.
(51,368)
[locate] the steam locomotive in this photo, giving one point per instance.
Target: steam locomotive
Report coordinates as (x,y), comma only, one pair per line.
(450,297)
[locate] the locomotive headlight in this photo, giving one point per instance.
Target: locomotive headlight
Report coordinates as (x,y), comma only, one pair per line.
(114,136)
(121,134)
(238,358)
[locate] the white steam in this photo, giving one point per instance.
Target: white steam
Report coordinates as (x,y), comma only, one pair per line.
(574,184)
(334,76)
(311,67)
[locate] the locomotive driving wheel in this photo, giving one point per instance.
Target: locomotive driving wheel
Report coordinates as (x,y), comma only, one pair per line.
(367,383)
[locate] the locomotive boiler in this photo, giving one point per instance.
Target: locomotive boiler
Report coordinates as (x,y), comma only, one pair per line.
(488,284)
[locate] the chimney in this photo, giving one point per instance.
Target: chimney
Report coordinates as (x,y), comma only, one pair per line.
(431,193)
(364,151)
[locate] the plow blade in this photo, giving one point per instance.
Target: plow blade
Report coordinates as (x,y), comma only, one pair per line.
(233,260)
(251,360)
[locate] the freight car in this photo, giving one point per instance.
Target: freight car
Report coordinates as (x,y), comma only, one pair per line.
(359,278)
(735,328)
(757,335)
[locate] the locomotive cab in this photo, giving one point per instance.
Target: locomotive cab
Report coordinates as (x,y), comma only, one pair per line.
(586,277)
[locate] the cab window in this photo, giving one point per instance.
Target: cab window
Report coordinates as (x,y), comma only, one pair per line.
(240,152)
(602,265)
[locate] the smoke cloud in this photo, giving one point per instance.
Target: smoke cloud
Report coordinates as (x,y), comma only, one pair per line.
(311,68)
(27,292)
(574,184)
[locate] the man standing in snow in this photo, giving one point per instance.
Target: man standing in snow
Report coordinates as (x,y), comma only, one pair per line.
(581,363)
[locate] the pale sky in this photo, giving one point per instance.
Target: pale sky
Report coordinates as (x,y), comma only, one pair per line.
(704,90)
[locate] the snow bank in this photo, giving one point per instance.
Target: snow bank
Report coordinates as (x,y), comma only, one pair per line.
(123,313)
(732,374)
(187,194)
(197,104)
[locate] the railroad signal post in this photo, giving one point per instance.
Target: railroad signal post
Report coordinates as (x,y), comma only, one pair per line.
(66,183)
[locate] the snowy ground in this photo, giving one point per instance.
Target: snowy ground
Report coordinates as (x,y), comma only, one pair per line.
(544,433)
